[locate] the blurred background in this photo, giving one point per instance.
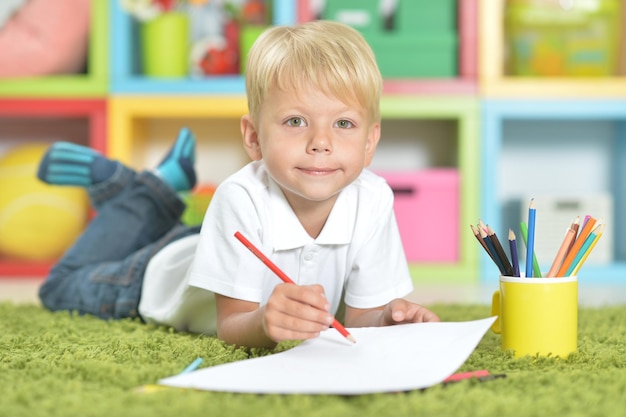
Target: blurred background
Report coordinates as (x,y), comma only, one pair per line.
(487,104)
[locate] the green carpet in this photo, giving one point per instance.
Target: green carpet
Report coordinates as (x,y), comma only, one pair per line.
(63,365)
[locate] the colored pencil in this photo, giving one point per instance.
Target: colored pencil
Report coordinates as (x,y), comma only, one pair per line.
(588,251)
(481,241)
(492,249)
(513,250)
(192,366)
(567,243)
(150,388)
(583,249)
(530,240)
(580,240)
(491,252)
(272,266)
(576,227)
(524,230)
(482,225)
(508,269)
(586,219)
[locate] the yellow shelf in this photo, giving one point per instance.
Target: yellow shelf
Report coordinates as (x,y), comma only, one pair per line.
(142,129)
(129,119)
(494,83)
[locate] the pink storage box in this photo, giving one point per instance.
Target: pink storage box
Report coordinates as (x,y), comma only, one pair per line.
(427,209)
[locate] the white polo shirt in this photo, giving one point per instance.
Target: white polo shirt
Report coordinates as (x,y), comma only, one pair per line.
(358,253)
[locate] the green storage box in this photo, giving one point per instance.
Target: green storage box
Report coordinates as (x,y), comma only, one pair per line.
(419,41)
(412,57)
(363,15)
(426,17)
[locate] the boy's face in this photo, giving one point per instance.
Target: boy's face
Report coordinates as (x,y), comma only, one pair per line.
(313,145)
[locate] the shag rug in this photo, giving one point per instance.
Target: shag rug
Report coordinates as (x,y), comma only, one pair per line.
(59,364)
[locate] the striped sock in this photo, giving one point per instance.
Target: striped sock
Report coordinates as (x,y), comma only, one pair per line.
(177,168)
(69,164)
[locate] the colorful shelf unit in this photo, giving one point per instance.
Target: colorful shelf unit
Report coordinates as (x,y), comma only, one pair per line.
(465,83)
(464,113)
(495,83)
(43,120)
(126,77)
(142,129)
(554,148)
(93,84)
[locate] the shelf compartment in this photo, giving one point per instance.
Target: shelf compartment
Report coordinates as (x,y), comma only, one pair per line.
(93,84)
(494,83)
(125,77)
(467,80)
(555,148)
(28,120)
(144,127)
(459,116)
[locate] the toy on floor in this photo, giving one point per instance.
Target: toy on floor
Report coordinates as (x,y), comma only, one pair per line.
(38,222)
(197,202)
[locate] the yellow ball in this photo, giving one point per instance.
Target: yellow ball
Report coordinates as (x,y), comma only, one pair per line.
(38,221)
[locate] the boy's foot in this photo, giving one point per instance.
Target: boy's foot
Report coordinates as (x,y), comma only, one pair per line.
(66,163)
(177,168)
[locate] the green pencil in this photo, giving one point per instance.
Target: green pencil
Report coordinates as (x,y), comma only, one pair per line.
(524,229)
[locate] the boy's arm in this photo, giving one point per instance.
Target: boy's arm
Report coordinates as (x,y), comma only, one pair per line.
(292,312)
(397,311)
(241,322)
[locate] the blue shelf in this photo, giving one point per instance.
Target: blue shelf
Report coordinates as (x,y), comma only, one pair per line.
(124,52)
(531,116)
(213,85)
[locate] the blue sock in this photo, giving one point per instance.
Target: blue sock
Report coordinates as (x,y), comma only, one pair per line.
(69,164)
(177,169)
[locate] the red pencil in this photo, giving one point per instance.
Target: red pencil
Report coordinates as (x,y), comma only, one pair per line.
(275,269)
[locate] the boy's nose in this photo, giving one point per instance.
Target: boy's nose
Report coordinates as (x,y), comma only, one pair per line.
(320,143)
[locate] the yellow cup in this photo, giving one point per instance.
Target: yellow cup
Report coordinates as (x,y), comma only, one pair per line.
(537,315)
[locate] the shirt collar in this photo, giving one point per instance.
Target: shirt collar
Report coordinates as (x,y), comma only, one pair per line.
(288,231)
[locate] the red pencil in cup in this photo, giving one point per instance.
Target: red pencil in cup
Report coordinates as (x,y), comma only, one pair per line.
(275,269)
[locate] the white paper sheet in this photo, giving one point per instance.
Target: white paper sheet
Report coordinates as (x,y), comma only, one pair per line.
(384,359)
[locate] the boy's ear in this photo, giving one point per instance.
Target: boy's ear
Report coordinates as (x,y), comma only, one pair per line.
(250,138)
(372,142)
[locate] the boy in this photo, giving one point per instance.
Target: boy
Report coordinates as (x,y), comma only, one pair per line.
(306,201)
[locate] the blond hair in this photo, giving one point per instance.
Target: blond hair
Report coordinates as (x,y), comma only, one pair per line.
(329,56)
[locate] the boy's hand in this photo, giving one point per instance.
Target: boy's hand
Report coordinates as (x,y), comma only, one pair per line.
(295,312)
(402,311)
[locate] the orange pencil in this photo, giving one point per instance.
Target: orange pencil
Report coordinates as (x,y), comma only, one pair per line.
(580,240)
(599,232)
(568,241)
(271,265)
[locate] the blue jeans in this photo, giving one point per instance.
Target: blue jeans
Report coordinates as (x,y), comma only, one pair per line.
(102,273)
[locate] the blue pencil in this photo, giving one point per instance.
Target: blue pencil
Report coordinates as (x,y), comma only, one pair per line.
(513,249)
(524,229)
(192,367)
(530,243)
(492,250)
